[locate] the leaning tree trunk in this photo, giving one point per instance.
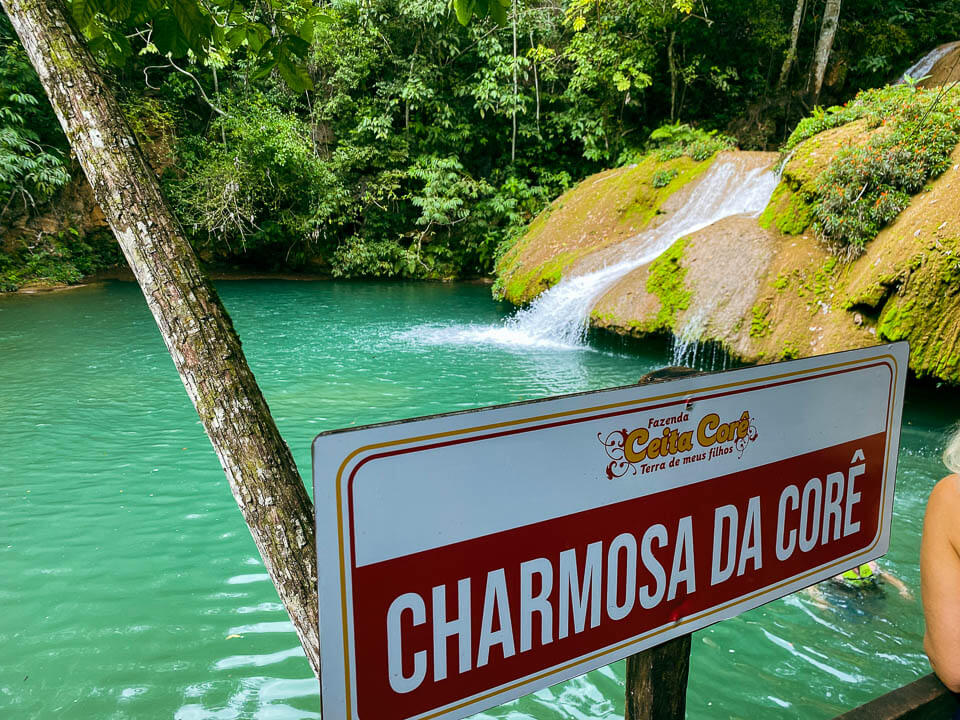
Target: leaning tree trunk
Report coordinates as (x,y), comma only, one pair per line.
(193,322)
(828,29)
(794,38)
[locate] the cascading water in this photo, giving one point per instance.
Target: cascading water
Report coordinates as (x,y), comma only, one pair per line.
(728,188)
(686,342)
(558,318)
(924,65)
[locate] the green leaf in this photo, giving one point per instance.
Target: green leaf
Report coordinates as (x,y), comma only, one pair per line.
(294,74)
(265,68)
(120,49)
(464,10)
(84,11)
(257,36)
(118,10)
(140,12)
(314,19)
(296,46)
(235,37)
(167,35)
(498,11)
(194,24)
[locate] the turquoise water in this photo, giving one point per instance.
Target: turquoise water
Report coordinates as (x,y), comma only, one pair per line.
(130,588)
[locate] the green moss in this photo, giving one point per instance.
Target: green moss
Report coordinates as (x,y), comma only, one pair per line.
(873,294)
(790,351)
(781,283)
(520,288)
(665,279)
(926,312)
(897,319)
(597,212)
(604,319)
(648,196)
(823,278)
(819,283)
(759,320)
(61,54)
(787,211)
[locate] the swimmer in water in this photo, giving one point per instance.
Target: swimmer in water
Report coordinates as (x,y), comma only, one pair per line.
(862,578)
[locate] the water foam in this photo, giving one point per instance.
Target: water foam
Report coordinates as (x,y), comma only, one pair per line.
(559,317)
(504,335)
(561,314)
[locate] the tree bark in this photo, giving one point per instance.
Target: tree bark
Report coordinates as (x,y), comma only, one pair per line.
(536,81)
(656,683)
(673,77)
(794,38)
(821,56)
(194,324)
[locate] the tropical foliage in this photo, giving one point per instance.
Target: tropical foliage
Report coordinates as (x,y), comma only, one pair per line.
(32,166)
(868,184)
(385,138)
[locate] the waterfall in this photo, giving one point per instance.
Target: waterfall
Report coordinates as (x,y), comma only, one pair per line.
(736,184)
(925,64)
(686,341)
(560,315)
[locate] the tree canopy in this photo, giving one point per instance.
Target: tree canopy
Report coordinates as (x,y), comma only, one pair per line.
(387,139)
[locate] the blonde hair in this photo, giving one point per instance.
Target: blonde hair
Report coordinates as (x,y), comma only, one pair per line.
(951,455)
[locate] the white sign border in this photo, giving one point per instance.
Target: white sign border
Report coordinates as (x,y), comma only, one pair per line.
(339,690)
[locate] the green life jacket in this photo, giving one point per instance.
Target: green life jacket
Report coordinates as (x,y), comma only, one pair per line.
(860,576)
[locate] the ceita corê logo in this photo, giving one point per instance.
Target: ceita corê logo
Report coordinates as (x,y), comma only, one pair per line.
(665,442)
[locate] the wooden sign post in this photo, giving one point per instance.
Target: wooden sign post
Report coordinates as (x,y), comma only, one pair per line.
(656,679)
(469,559)
(656,682)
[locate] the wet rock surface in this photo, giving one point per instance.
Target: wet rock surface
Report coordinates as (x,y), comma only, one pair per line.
(763,294)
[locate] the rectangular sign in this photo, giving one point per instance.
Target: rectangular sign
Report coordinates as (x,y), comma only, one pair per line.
(468,559)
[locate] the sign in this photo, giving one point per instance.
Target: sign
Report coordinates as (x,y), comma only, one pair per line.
(468,559)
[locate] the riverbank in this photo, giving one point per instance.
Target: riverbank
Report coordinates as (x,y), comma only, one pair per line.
(125,275)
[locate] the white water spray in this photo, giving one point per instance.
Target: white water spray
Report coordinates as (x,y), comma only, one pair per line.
(559,317)
(561,314)
(686,342)
(924,65)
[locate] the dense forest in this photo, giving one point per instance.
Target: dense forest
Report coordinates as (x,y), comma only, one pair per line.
(383,138)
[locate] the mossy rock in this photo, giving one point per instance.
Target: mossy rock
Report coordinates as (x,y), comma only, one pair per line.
(665,279)
(787,211)
(603,210)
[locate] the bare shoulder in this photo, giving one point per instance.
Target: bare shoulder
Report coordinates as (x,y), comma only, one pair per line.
(947,492)
(943,510)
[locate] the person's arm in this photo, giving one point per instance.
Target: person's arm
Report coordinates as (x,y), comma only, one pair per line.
(940,580)
(816,595)
(899,584)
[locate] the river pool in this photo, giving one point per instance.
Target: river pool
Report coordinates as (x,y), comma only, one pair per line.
(129,585)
